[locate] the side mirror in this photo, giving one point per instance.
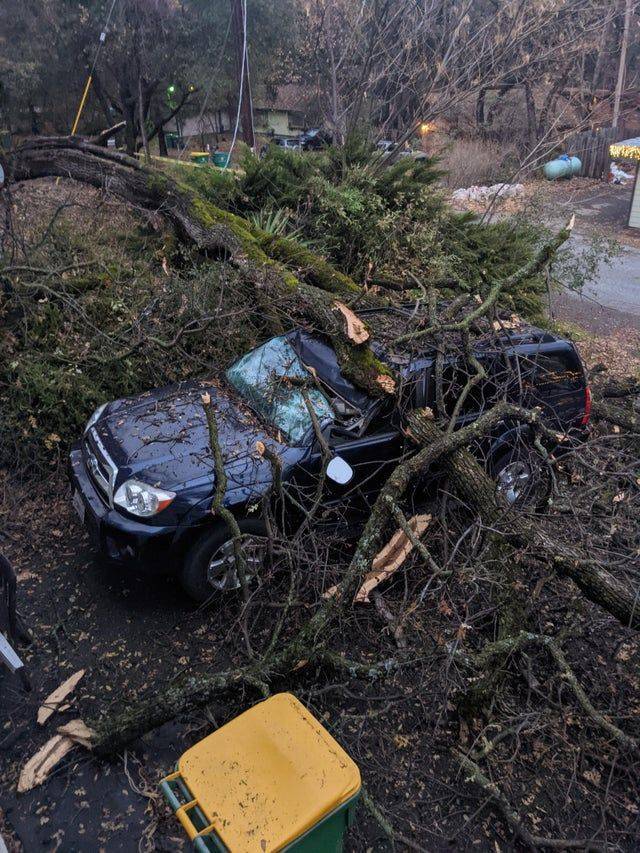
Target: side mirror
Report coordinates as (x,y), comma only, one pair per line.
(339,471)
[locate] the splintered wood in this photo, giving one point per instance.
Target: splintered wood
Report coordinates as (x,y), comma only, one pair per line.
(391,557)
(55,700)
(39,766)
(356,329)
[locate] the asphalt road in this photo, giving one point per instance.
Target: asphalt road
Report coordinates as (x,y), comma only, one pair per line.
(612,299)
(617,285)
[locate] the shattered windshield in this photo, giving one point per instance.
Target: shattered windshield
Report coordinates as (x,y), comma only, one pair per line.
(260,377)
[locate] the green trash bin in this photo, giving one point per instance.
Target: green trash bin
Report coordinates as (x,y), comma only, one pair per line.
(200,157)
(221,159)
(273,779)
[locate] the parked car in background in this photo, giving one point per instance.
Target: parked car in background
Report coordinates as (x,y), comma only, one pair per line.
(286,142)
(386,146)
(143,474)
(315,139)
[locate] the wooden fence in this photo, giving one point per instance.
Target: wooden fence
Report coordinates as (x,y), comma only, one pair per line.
(592,147)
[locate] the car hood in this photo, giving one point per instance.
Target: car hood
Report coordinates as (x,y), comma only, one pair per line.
(162,437)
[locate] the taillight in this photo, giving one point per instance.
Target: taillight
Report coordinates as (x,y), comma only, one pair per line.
(587,406)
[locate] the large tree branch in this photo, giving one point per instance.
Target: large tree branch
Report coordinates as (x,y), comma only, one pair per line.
(278,266)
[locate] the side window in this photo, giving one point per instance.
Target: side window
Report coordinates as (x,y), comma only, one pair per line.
(483,395)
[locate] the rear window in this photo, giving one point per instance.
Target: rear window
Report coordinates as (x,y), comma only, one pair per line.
(550,374)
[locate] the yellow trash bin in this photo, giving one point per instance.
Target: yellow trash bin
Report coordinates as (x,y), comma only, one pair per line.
(200,157)
(271,779)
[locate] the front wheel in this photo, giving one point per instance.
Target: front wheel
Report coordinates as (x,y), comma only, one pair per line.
(210,564)
(522,477)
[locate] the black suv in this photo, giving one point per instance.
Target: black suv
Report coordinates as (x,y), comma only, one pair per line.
(143,473)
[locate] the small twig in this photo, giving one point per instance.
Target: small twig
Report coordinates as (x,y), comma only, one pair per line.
(387,614)
(513,819)
(386,827)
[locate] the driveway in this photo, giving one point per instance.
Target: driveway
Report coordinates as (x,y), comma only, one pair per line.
(612,300)
(617,285)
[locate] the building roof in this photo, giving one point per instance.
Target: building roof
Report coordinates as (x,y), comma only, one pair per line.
(292,97)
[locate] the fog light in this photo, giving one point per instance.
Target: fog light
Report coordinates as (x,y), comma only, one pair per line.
(118,550)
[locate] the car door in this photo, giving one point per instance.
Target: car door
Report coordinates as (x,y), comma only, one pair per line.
(372,455)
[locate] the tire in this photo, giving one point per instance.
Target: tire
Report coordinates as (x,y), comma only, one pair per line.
(194,574)
(508,468)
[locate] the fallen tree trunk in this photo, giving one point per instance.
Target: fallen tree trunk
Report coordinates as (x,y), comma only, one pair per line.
(616,415)
(277,265)
(471,482)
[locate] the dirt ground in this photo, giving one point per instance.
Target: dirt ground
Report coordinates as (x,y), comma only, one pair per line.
(132,634)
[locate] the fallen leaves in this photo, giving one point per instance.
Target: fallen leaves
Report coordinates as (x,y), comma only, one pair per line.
(54,700)
(391,557)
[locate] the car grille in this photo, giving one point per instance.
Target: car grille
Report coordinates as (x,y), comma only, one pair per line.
(100,466)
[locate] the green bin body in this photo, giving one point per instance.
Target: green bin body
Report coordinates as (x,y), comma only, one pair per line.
(200,157)
(221,159)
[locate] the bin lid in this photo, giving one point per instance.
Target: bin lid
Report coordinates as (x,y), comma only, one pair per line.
(268,776)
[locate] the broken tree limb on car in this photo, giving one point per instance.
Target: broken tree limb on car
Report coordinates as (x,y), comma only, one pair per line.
(278,266)
(471,482)
(115,730)
(217,505)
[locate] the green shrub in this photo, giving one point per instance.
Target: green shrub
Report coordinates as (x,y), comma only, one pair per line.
(219,186)
(381,223)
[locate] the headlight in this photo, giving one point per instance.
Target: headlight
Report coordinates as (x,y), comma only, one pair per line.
(141,499)
(94,417)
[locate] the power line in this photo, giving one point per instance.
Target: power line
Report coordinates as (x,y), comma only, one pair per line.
(85,93)
(243,65)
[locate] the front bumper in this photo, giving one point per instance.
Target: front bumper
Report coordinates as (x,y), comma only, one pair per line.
(117,537)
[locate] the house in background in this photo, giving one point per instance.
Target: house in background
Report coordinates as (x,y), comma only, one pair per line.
(287,115)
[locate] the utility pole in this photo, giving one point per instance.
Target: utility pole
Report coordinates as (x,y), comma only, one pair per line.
(623,62)
(242,70)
